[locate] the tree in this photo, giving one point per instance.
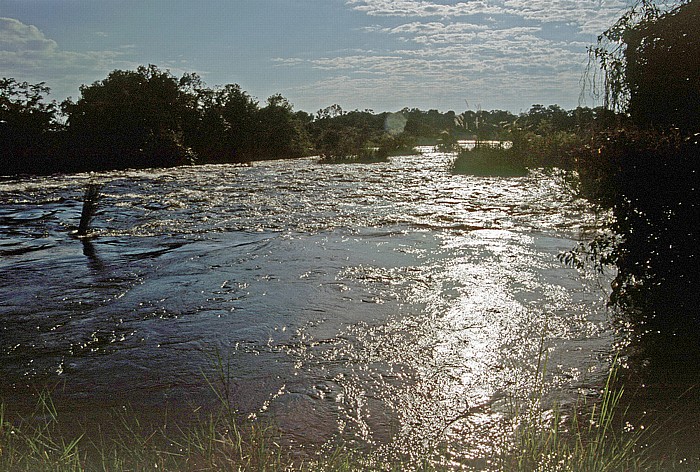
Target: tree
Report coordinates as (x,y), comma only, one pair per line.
(329,112)
(279,131)
(23,105)
(663,68)
(650,64)
(27,121)
(224,131)
(647,172)
(131,119)
(339,136)
(428,124)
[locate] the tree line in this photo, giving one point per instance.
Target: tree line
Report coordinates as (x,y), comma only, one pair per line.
(150,118)
(142,118)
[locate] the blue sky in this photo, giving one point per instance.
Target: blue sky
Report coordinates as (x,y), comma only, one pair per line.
(382,55)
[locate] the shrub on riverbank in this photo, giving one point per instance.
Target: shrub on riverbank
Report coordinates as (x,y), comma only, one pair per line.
(649,179)
(487,160)
(528,150)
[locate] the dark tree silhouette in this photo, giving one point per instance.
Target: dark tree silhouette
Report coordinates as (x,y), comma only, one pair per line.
(648,172)
(663,69)
(130,119)
(27,121)
(279,132)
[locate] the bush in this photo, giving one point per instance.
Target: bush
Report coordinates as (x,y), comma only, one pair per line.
(528,150)
(650,181)
(488,160)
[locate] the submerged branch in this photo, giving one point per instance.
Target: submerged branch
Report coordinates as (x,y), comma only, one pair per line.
(90,201)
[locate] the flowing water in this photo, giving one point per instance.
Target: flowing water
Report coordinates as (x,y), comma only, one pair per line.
(391,305)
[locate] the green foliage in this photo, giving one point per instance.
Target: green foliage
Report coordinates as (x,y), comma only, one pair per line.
(38,446)
(27,121)
(347,137)
(23,106)
(396,145)
(335,145)
(487,160)
(608,57)
(555,149)
(279,133)
(149,118)
(649,63)
(223,126)
(663,68)
(144,118)
(599,253)
(526,150)
(647,173)
(130,119)
(428,124)
(649,180)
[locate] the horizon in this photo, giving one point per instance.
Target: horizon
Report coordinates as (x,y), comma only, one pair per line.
(376,55)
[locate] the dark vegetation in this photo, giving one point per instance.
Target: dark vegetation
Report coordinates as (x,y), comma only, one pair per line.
(143,118)
(150,118)
(647,171)
(542,137)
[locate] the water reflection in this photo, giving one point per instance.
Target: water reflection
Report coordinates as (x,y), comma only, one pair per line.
(94,261)
(469,337)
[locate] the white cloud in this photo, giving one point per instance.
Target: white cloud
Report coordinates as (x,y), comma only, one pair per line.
(450,52)
(589,16)
(17,37)
(410,8)
(507,51)
(443,76)
(27,54)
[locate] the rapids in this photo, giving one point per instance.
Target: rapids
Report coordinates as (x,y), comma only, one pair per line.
(392,305)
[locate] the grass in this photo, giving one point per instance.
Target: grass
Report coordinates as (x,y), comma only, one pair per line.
(589,437)
(36,446)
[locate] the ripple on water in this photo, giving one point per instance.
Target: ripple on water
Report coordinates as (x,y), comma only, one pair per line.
(395,304)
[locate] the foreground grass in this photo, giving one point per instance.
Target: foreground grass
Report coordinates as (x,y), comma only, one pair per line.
(592,438)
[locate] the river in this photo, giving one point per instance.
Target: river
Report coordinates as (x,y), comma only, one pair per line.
(394,305)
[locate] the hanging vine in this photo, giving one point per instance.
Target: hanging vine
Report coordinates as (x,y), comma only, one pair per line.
(606,73)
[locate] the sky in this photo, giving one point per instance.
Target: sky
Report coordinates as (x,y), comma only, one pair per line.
(381,55)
